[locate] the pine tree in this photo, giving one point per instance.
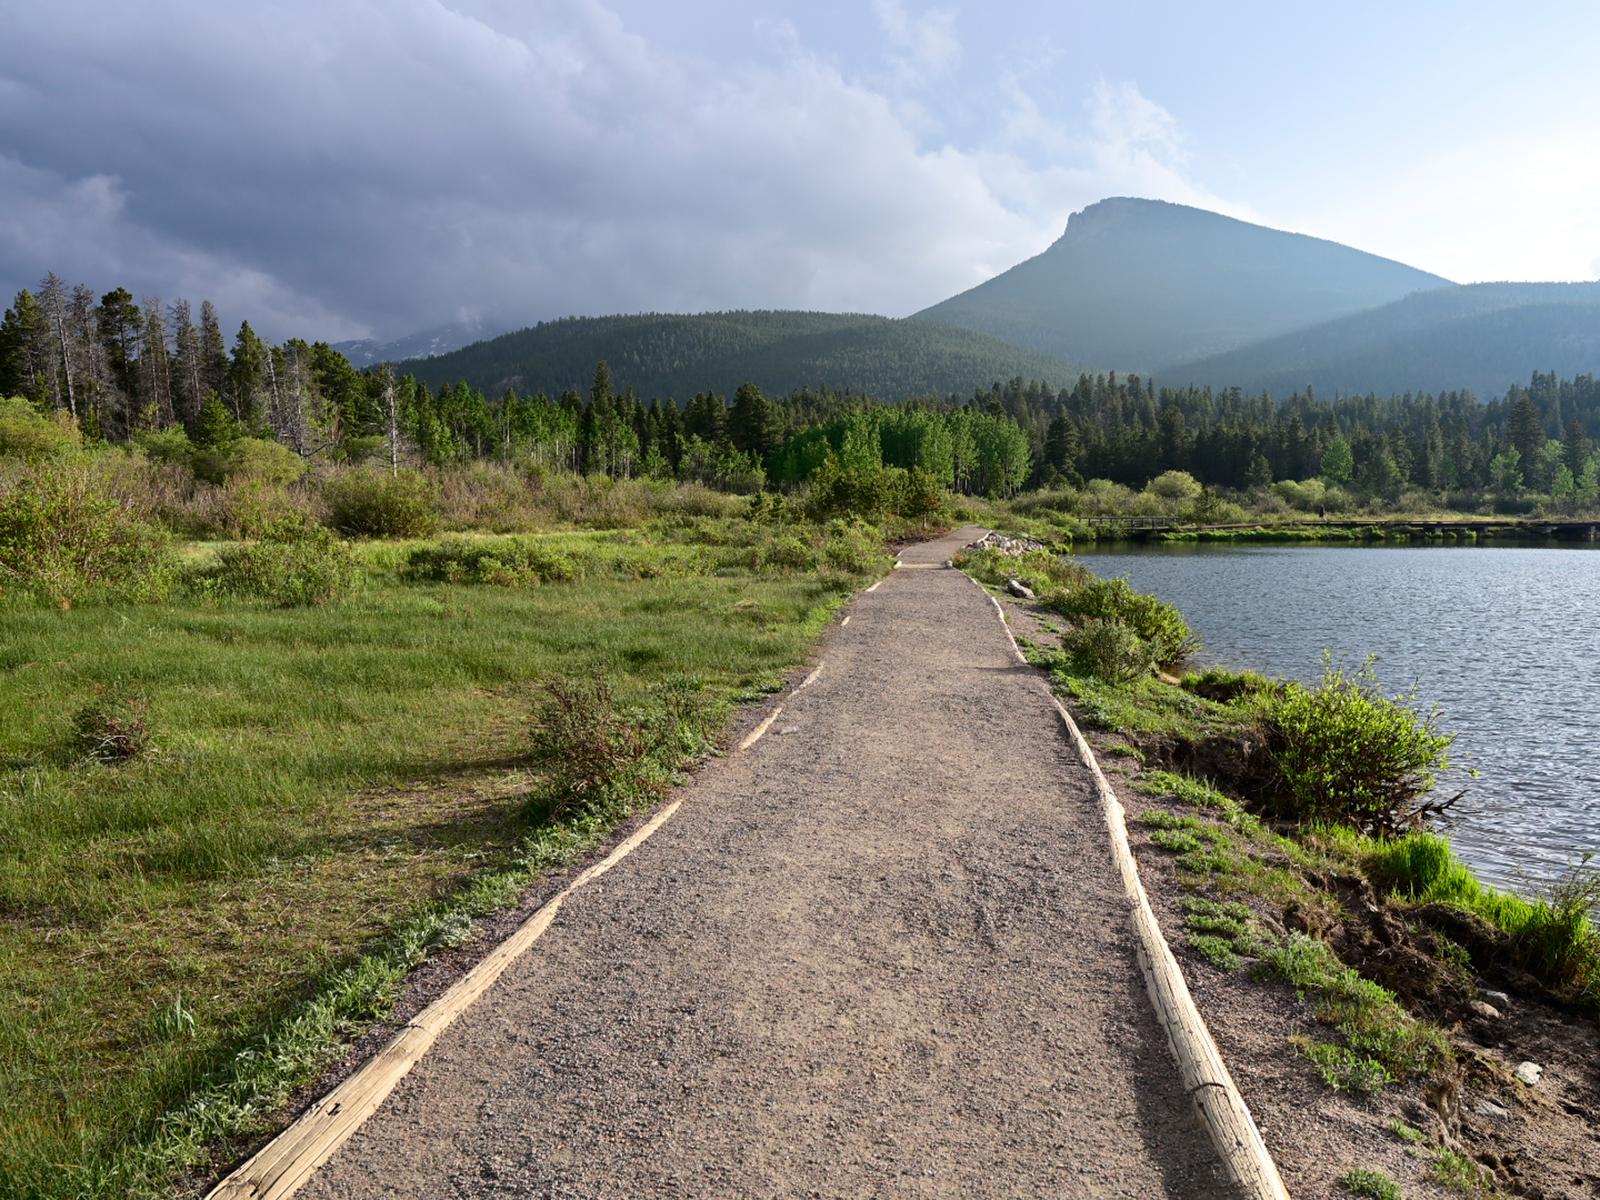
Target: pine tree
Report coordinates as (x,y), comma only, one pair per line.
(247,377)
(751,426)
(213,351)
(187,389)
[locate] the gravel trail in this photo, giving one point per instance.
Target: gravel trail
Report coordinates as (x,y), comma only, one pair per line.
(883,952)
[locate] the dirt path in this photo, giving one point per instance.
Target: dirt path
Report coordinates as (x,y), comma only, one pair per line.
(881,953)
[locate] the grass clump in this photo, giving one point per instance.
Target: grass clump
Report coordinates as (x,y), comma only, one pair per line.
(65,542)
(1371,1185)
(1345,1070)
(112,730)
(1552,936)
(1224,933)
(1380,1041)
(378,504)
(1344,752)
(1460,1174)
(1408,1134)
(1198,794)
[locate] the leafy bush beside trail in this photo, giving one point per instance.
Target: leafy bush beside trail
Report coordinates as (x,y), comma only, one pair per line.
(1345,753)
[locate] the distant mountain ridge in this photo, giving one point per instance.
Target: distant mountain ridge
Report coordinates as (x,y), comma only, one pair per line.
(1482,337)
(1140,284)
(1145,286)
(429,343)
(672,355)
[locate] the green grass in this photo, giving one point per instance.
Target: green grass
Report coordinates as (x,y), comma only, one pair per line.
(1373,1185)
(1460,1174)
(1379,1041)
(330,792)
(1224,933)
(1553,936)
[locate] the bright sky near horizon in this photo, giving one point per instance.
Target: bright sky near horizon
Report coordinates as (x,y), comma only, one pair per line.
(338,168)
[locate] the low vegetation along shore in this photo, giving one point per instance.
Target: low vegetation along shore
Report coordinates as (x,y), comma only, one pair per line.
(1445,1032)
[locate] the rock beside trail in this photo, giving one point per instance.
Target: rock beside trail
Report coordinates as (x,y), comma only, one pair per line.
(1014,546)
(1528,1073)
(1499,999)
(1019,589)
(1488,1108)
(1487,1011)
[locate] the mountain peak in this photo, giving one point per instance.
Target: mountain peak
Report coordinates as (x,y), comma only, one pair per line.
(1135,284)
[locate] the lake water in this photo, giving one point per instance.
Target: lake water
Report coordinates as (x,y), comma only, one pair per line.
(1505,641)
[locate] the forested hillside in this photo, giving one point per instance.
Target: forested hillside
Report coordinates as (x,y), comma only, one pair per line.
(668,355)
(1138,284)
(150,378)
(1480,337)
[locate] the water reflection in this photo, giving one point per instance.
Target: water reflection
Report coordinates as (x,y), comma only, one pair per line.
(1506,641)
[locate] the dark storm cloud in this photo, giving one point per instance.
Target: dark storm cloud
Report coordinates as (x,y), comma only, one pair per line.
(333,169)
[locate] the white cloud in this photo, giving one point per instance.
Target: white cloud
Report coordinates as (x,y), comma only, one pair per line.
(388,164)
(924,44)
(1493,210)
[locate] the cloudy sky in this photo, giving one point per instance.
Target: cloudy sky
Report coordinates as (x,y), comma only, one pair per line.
(338,168)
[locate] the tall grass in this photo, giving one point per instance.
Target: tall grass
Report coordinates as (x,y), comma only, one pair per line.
(1553,936)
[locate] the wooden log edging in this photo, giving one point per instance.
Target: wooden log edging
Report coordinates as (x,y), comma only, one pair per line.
(1222,1109)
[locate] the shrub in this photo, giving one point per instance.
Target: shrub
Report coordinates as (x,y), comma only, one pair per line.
(64,541)
(1106,650)
(30,435)
(294,564)
(587,750)
(506,562)
(377,504)
(1179,489)
(855,549)
(258,459)
(111,731)
(1344,753)
(783,552)
(1154,621)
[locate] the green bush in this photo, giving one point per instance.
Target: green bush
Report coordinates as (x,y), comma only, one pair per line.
(377,504)
(1106,650)
(28,434)
(505,562)
(258,459)
(293,565)
(65,542)
(1344,753)
(854,548)
(1154,621)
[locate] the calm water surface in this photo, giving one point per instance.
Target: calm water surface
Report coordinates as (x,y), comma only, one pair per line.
(1505,641)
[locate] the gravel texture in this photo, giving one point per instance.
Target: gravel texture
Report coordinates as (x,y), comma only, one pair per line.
(881,953)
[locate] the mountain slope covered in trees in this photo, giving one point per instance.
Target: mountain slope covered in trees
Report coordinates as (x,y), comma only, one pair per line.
(1481,337)
(673,355)
(1140,284)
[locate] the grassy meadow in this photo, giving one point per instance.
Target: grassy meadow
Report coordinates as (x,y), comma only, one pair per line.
(327,791)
